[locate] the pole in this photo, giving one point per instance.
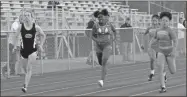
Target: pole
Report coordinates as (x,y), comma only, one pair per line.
(68,53)
(8,64)
(57,44)
(8,61)
(127,2)
(134,46)
(74,35)
(93,57)
(114,54)
(149,8)
(62,28)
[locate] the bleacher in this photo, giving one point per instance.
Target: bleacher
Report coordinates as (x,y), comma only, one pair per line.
(77,13)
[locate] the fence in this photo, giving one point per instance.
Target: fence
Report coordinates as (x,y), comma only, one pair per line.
(72,48)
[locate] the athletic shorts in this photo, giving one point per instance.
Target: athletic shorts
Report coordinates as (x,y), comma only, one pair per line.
(99,47)
(166,52)
(26,52)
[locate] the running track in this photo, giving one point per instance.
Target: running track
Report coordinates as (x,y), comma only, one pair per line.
(122,80)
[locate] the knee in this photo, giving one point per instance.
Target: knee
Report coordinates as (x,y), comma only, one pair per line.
(32,57)
(28,69)
(173,71)
(151,59)
(160,57)
(160,67)
(160,54)
(108,48)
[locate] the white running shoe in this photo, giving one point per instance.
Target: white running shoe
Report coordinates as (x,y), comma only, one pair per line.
(24,89)
(100,83)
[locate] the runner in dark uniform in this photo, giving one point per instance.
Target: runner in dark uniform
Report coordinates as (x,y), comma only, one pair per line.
(28,30)
(103,33)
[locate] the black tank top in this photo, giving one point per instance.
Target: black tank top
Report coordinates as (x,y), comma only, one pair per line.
(28,37)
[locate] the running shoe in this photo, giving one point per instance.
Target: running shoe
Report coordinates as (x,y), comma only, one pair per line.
(163,89)
(100,82)
(150,77)
(24,89)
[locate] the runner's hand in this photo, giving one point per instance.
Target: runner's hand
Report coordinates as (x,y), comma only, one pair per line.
(40,48)
(173,53)
(14,49)
(142,47)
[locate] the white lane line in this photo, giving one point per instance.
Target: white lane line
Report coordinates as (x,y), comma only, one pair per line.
(77,78)
(120,66)
(137,64)
(92,84)
(122,87)
(157,90)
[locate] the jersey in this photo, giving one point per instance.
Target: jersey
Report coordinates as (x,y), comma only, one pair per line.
(103,33)
(165,37)
(151,31)
(28,41)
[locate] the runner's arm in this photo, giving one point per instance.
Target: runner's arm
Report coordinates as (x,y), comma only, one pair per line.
(114,33)
(146,31)
(94,29)
(174,39)
(40,31)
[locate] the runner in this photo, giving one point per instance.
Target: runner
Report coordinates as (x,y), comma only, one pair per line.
(28,31)
(103,33)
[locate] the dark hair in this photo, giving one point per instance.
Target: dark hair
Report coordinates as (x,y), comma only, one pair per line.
(165,14)
(103,12)
(184,24)
(155,16)
(128,19)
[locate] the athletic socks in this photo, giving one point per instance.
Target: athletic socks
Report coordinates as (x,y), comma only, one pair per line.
(153,72)
(151,75)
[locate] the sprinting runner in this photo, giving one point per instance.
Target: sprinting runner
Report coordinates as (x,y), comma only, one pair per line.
(151,46)
(28,31)
(167,44)
(103,33)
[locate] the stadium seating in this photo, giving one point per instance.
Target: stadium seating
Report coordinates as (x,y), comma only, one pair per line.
(73,9)
(14,7)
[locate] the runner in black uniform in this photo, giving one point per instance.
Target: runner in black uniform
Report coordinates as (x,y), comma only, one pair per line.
(28,30)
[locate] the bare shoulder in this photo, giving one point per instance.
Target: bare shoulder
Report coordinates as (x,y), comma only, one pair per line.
(37,27)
